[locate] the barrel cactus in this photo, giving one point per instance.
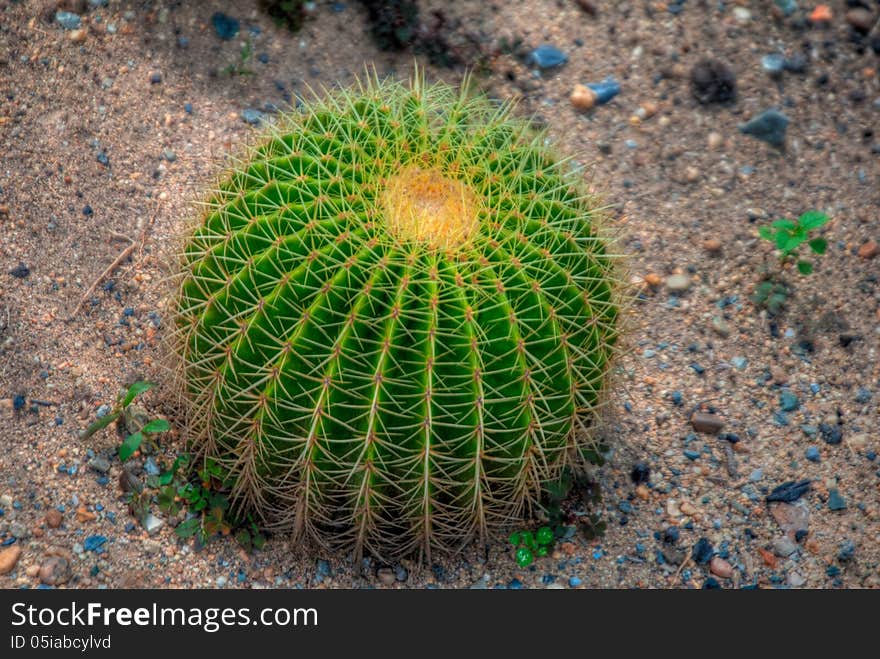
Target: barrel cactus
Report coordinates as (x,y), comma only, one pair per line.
(396,316)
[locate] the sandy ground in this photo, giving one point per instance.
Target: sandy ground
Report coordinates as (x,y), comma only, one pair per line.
(107,136)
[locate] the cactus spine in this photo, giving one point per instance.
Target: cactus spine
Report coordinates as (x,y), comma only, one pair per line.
(396,317)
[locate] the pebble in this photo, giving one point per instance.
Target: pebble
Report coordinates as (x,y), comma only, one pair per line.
(773,64)
(252,116)
(715,140)
(784,546)
(789,491)
(712,245)
(8,558)
(169,155)
(547,56)
(78,36)
(605,90)
(100,463)
(742,15)
(720,326)
(702,551)
(832,434)
(641,473)
(55,571)
(795,580)
(791,518)
(68,20)
(812,454)
(225,26)
(861,19)
(706,422)
(770,126)
(788,402)
(869,250)
(835,500)
(54,518)
(678,283)
(720,568)
(152,524)
(713,81)
(221,581)
(582,98)
(155,77)
(846,551)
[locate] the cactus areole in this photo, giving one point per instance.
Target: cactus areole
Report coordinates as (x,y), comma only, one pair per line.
(396,317)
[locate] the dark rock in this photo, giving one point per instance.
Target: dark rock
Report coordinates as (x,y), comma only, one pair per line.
(641,473)
(770,126)
(832,434)
(20,271)
(225,26)
(788,402)
(847,551)
(713,81)
(671,534)
(835,500)
(790,491)
(702,552)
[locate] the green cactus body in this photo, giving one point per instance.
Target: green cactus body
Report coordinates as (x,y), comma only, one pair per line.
(395,316)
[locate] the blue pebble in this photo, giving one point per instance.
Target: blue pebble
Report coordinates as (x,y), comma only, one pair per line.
(770,126)
(323,568)
(676,398)
(832,570)
(835,500)
(863,395)
(103,159)
(756,475)
(151,467)
(225,26)
(338,7)
(515,584)
(68,20)
(605,90)
(95,543)
(625,507)
(8,541)
(547,56)
(871,455)
(691,454)
(788,402)
(18,402)
(548,579)
(847,551)
(773,64)
(263,58)
(102,480)
(814,388)
(780,419)
(703,551)
(574,582)
(252,116)
(812,454)
(188,108)
(788,7)
(739,362)
(699,370)
(597,553)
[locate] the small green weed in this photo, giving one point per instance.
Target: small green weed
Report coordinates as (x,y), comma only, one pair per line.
(180,486)
(788,236)
(528,545)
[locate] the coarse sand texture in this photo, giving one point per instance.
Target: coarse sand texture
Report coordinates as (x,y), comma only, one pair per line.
(396,318)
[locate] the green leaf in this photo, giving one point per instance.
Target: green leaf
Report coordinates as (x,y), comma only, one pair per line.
(767,233)
(156,425)
(819,245)
(528,539)
(188,527)
(784,223)
(259,540)
(545,535)
(781,240)
(792,243)
(100,424)
(812,220)
(514,539)
(130,445)
(804,267)
(166,477)
(542,551)
(134,391)
(524,557)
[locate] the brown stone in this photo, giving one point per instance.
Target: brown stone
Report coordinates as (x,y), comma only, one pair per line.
(869,249)
(861,19)
(582,98)
(720,568)
(55,571)
(708,423)
(8,558)
(83,514)
(653,279)
(791,517)
(712,245)
(54,518)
